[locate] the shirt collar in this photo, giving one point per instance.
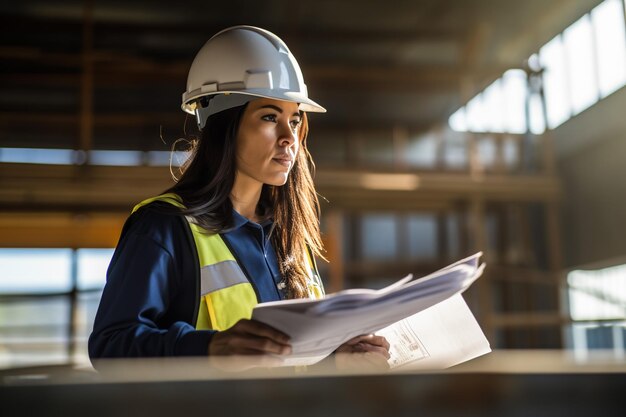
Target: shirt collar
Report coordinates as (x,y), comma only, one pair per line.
(239,221)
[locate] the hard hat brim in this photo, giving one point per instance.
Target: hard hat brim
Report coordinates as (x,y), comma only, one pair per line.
(305,103)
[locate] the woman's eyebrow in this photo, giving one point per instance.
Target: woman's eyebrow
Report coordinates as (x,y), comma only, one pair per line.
(278,109)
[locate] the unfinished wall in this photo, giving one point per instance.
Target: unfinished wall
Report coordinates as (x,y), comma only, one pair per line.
(592,164)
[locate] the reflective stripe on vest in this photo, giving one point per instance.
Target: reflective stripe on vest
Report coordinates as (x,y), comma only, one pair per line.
(226,294)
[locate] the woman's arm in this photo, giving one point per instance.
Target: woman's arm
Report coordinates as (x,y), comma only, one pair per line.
(149,303)
(134,318)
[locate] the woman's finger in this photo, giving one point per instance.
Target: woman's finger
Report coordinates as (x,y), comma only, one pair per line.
(373,339)
(380,350)
(357,339)
(249,336)
(249,344)
(257,328)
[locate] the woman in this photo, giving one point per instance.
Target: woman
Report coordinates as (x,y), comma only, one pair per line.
(241,225)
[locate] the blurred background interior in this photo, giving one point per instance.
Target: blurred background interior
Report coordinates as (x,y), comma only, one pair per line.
(452,126)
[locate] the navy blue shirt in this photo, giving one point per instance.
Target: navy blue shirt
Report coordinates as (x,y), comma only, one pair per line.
(251,246)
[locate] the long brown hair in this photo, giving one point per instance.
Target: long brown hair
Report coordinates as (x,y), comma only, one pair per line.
(208,178)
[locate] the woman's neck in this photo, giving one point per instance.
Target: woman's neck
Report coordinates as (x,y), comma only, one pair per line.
(245,197)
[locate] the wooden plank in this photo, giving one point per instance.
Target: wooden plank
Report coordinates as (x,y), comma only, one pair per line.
(32,184)
(60,230)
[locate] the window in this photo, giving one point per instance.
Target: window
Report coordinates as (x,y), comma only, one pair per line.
(599,294)
(578,43)
(37,156)
(537,122)
(455,152)
(552,57)
(514,86)
(487,150)
(116,158)
(35,270)
(162,158)
(422,236)
(92,267)
(583,64)
(476,114)
(610,43)
(422,151)
(97,157)
(379,237)
(597,305)
(35,292)
(493,100)
(458,120)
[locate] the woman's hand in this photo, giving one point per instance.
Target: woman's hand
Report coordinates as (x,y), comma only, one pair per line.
(252,342)
(365,351)
(249,337)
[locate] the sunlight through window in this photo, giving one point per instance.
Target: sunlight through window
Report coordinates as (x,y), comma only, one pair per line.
(514,86)
(598,294)
(92,267)
(597,305)
(552,58)
(537,121)
(37,156)
(493,101)
(35,270)
(610,44)
(583,64)
(578,42)
(458,120)
(476,114)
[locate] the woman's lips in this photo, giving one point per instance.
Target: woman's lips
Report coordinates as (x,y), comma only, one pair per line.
(286,162)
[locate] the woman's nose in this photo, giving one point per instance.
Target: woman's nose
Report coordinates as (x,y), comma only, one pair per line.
(287,135)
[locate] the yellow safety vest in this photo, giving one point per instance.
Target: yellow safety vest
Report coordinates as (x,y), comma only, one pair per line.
(226,293)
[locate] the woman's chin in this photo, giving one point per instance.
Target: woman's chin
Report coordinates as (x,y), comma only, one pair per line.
(278,180)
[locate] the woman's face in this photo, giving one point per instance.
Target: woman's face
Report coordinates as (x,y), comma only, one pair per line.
(267,141)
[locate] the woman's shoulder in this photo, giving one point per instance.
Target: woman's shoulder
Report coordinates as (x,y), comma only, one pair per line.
(158,221)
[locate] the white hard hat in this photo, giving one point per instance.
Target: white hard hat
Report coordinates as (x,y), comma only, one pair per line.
(240,64)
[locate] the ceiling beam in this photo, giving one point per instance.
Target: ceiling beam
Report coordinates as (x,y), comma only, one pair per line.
(11,121)
(291,35)
(422,79)
(9,118)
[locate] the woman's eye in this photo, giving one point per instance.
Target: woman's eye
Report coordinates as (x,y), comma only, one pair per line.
(274,119)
